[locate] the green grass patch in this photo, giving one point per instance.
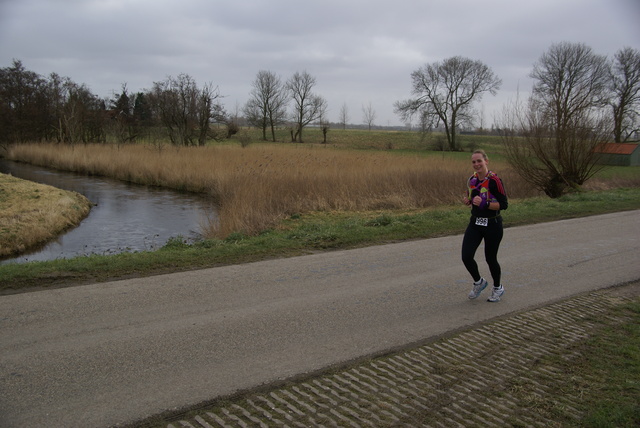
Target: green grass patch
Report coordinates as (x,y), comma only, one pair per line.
(608,374)
(304,234)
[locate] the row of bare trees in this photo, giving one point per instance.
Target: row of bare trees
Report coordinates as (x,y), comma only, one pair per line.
(35,108)
(270,97)
(444,92)
(187,111)
(579,101)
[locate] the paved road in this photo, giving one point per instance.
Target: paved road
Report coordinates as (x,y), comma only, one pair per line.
(505,372)
(110,353)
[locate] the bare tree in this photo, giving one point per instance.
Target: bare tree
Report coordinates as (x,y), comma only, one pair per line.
(267,106)
(186,111)
(551,140)
(74,113)
(255,115)
(625,97)
(444,93)
(72,118)
(169,99)
(82,116)
(208,110)
(570,81)
(343,116)
(307,106)
(481,119)
(368,115)
(57,90)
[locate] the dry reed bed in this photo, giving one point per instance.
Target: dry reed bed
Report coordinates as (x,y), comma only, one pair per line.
(258,186)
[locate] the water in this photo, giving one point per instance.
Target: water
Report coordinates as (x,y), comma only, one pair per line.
(126,217)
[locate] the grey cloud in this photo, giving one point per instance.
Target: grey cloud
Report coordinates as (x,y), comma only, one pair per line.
(360,51)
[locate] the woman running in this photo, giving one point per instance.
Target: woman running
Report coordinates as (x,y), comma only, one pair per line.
(486,196)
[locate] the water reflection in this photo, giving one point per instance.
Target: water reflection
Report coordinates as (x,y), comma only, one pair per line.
(126,217)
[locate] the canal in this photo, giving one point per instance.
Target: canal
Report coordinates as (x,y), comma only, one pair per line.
(126,217)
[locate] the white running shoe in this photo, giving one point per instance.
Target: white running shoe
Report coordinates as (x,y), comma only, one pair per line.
(496,294)
(477,288)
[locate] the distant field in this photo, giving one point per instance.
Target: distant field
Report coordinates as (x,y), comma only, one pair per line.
(362,139)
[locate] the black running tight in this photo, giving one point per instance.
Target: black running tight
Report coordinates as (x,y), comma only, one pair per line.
(473,236)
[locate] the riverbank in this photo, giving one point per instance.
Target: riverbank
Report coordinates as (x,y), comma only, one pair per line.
(32,214)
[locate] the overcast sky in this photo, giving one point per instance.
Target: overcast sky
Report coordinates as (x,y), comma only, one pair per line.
(359,51)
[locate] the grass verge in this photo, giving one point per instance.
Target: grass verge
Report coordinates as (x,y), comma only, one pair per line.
(615,356)
(304,234)
(606,373)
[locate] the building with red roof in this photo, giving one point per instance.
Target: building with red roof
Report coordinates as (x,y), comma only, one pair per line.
(619,154)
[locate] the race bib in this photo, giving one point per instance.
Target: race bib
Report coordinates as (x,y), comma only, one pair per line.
(482,221)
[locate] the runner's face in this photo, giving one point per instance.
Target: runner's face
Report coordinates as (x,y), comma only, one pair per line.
(480,165)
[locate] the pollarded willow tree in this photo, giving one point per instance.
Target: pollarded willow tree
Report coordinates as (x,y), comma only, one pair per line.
(551,139)
(444,93)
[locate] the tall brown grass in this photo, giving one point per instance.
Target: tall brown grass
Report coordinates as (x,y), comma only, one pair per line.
(257,186)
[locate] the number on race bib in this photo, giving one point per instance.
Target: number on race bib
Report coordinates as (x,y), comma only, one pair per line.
(482,221)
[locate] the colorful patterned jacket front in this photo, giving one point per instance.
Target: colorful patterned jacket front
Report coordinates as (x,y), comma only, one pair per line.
(490,189)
